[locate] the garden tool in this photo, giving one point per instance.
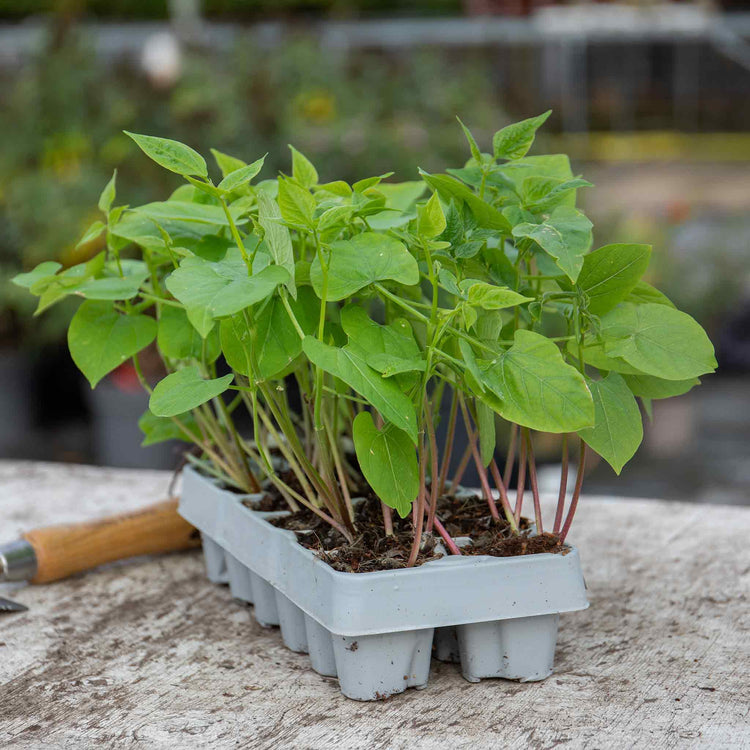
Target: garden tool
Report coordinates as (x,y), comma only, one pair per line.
(55,552)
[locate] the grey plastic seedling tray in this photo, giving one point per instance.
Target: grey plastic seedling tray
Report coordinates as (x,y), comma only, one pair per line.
(498,617)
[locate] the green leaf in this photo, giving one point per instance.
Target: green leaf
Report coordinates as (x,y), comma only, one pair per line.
(296,203)
(227,164)
(658,340)
(349,366)
(215,290)
(514,141)
(388,461)
(363,260)
(184,211)
(449,188)
(91,233)
(491,297)
(545,193)
(45,270)
(610,273)
(277,237)
(647,386)
(107,196)
(273,337)
(617,430)
(184,390)
(594,355)
(172,155)
(100,339)
(645,293)
(565,235)
(402,196)
(114,287)
(430,218)
(178,339)
(537,388)
(160,429)
(241,176)
(391,349)
(302,169)
(475,152)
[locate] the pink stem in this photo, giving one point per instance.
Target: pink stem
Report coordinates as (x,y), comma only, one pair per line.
(503,495)
(418,511)
(563,485)
(448,450)
(532,478)
(461,470)
(510,459)
(478,461)
(576,493)
(454,550)
(387,519)
(434,482)
(521,480)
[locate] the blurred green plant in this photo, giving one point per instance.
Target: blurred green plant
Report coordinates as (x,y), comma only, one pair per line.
(357,115)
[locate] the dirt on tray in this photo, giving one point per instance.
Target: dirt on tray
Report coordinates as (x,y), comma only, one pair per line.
(372,550)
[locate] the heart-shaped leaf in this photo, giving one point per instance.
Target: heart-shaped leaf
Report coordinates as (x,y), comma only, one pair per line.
(537,388)
(658,340)
(565,235)
(101,339)
(361,261)
(618,429)
(184,390)
(350,366)
(388,461)
(610,273)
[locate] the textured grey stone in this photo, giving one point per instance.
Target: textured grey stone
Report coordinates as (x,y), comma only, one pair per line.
(149,652)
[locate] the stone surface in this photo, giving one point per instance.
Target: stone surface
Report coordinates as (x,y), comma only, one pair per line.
(149,653)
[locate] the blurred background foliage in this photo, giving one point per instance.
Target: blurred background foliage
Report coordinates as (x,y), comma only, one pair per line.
(655,113)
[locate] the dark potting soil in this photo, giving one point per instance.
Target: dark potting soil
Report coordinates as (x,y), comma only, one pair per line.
(372,550)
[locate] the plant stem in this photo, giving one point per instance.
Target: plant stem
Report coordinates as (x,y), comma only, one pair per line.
(461,468)
(387,518)
(532,479)
(434,483)
(452,546)
(478,459)
(521,480)
(511,457)
(237,238)
(576,492)
(563,485)
(510,518)
(418,509)
(448,450)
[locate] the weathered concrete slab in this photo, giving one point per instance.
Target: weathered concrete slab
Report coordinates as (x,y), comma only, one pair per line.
(149,653)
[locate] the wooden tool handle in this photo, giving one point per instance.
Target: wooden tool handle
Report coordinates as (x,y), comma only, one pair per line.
(64,550)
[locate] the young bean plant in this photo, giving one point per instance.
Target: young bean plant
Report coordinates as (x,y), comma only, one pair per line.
(380,301)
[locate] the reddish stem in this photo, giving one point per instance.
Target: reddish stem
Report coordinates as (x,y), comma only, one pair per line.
(510,459)
(478,461)
(448,450)
(532,479)
(576,492)
(503,495)
(454,550)
(417,512)
(462,466)
(563,485)
(521,480)
(434,483)
(387,519)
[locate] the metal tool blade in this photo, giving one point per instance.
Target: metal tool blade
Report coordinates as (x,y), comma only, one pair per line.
(6,605)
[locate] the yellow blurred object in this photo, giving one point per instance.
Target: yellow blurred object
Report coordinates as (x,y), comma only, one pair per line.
(317,106)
